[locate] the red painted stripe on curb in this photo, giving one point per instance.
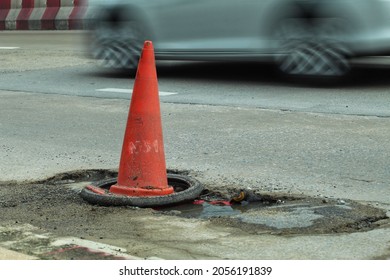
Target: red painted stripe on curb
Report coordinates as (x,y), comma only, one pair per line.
(5,6)
(24,15)
(49,16)
(77,14)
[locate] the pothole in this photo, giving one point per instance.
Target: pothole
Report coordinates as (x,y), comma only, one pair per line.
(55,203)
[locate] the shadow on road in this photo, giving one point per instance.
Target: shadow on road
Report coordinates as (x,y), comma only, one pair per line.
(258,73)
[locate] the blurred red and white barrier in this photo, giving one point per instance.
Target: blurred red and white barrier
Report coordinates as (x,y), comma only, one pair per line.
(43,14)
(5,7)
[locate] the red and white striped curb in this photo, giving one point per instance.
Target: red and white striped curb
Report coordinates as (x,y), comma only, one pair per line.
(43,14)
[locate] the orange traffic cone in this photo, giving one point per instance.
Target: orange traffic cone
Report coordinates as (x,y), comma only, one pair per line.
(142,169)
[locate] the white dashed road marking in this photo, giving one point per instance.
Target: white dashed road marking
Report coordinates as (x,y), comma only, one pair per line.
(130,91)
(9,48)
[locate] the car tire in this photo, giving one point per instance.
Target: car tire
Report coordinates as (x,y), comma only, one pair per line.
(186,189)
(307,49)
(118,45)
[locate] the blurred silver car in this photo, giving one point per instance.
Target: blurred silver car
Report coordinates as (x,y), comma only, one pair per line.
(303,37)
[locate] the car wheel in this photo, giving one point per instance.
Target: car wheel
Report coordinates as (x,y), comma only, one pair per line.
(118,45)
(312,49)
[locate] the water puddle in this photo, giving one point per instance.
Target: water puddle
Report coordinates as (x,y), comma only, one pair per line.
(205,210)
(279,215)
(304,215)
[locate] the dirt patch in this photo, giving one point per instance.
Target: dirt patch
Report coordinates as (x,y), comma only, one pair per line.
(54,205)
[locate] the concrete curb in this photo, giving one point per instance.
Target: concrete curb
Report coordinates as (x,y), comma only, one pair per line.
(27,242)
(44,14)
(6,254)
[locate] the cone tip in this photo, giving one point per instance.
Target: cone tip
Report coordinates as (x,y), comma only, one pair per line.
(148,45)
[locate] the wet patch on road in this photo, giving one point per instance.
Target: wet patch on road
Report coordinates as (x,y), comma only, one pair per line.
(283,214)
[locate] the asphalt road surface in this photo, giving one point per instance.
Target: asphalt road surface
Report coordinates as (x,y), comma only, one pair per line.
(253,85)
(229,124)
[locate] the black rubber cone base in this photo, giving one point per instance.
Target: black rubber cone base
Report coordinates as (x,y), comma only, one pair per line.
(186,189)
